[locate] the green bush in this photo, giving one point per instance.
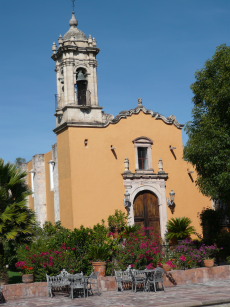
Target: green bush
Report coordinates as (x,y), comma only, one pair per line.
(117,220)
(179,229)
(211,224)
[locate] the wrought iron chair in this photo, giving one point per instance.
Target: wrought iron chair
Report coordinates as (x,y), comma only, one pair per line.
(2,299)
(92,283)
(79,283)
(123,278)
(139,279)
(58,283)
(156,279)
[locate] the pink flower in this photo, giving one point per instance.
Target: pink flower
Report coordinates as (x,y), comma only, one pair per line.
(150,266)
(183,258)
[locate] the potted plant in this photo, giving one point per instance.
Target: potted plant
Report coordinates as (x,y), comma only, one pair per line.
(208,253)
(117,222)
(179,229)
(99,254)
(27,271)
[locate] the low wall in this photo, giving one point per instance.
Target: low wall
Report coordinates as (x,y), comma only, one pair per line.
(17,291)
(108,283)
(199,275)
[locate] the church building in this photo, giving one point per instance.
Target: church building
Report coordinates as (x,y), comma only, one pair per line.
(132,162)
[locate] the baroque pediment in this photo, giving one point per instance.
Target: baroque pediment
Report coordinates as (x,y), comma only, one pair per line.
(171,120)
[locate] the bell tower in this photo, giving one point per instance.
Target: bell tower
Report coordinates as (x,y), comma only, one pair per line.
(77,85)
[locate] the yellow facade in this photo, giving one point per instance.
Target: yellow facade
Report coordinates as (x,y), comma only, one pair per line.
(91,184)
(94,167)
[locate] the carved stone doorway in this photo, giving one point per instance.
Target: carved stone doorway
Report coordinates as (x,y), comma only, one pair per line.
(146,211)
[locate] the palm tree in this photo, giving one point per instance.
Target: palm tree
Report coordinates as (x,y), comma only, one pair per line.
(179,229)
(17,221)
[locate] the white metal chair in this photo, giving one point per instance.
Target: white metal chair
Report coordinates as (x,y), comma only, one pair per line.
(156,279)
(139,279)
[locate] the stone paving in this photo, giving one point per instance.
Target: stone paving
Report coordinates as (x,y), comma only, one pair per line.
(214,293)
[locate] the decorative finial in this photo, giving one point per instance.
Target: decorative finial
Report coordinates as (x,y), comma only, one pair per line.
(73,21)
(140,101)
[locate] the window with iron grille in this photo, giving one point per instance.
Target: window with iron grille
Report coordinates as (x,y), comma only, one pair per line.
(143,147)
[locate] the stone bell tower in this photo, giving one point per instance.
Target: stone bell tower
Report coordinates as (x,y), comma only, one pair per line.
(77,85)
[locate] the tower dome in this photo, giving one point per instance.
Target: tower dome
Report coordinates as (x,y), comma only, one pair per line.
(74,32)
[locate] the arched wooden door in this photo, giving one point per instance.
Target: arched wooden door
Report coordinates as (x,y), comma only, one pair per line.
(146,211)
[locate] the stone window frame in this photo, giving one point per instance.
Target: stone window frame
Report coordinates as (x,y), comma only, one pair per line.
(146,142)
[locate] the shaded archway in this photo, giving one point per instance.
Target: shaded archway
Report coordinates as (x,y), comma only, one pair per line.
(146,211)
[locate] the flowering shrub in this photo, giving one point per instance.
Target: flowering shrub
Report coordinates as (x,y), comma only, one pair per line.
(56,248)
(188,255)
(24,267)
(139,251)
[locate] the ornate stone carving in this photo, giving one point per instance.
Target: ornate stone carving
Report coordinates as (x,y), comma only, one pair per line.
(126,163)
(171,120)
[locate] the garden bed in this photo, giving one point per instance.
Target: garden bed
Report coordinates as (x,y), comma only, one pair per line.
(108,283)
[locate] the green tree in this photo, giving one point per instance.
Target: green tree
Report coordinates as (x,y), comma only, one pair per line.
(17,221)
(208,147)
(19,161)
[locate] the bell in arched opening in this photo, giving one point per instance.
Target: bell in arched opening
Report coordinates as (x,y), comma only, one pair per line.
(81,86)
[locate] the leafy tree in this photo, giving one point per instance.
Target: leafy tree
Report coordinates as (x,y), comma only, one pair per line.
(208,147)
(179,229)
(19,161)
(17,221)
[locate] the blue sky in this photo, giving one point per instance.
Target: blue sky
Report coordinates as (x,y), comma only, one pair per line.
(149,49)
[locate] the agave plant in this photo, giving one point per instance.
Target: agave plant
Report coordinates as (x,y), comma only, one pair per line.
(179,229)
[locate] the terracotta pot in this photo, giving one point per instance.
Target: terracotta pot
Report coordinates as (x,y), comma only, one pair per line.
(27,278)
(166,267)
(115,234)
(100,267)
(209,263)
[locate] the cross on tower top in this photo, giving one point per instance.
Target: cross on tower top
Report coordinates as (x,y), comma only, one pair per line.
(73,3)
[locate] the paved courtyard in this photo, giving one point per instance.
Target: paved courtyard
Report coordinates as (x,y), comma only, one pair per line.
(215,293)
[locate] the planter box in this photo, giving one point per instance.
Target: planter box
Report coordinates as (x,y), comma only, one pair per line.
(108,283)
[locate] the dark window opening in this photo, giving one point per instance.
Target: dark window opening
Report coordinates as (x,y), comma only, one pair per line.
(142,157)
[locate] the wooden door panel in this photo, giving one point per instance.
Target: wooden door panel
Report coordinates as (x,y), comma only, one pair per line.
(146,211)
(139,207)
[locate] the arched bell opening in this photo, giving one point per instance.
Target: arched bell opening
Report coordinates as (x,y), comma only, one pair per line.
(81,86)
(147,213)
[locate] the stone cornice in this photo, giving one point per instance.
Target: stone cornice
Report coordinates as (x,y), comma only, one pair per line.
(72,47)
(171,120)
(145,175)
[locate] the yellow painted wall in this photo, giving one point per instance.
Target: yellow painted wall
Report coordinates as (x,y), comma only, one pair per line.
(66,183)
(91,182)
